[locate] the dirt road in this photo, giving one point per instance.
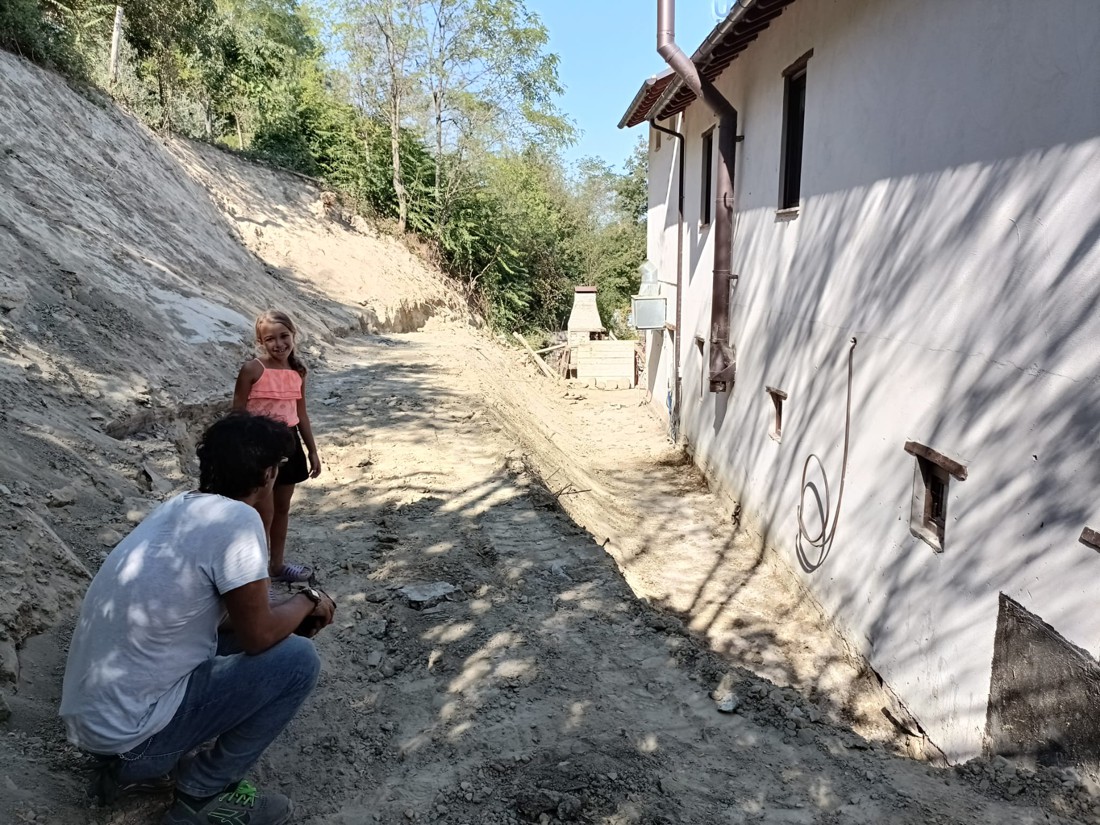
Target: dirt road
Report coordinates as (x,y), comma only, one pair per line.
(541,689)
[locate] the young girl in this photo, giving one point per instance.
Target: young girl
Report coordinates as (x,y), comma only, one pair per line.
(274,385)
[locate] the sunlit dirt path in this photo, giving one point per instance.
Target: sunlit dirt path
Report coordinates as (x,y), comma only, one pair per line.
(542,689)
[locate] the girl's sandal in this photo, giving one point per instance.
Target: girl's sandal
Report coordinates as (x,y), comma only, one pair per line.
(294,573)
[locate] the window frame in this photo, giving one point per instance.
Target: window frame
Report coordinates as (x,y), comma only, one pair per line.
(790,161)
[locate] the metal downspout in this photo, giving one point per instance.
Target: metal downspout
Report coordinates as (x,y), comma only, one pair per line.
(723,366)
(674,417)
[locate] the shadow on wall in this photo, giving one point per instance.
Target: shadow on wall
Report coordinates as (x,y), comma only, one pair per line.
(972,294)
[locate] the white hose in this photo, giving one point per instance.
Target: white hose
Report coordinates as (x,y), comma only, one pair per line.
(823,540)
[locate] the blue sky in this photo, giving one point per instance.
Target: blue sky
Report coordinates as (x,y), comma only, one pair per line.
(607,48)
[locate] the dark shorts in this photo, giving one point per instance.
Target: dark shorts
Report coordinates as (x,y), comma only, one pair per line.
(296,470)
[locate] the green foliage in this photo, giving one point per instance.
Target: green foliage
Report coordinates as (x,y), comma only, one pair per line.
(480,249)
(631,188)
(172,41)
(55,34)
(158,27)
(618,245)
(544,222)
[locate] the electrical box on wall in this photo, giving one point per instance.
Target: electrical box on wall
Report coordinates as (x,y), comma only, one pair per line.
(648,311)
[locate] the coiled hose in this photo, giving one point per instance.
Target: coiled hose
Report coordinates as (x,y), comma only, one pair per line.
(823,540)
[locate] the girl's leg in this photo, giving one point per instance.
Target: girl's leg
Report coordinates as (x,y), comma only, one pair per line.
(266,508)
(279,520)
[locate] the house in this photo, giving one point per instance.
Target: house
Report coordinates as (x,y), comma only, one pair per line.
(882,333)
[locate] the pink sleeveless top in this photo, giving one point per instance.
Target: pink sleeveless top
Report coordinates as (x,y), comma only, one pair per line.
(276,395)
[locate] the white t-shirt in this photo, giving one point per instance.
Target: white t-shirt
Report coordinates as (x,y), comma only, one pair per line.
(151,616)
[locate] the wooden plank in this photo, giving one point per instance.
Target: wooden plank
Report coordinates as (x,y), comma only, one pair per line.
(951,466)
(1090,538)
(551,349)
(538,359)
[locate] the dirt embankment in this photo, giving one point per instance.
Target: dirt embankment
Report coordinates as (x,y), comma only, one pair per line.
(535,686)
(126,295)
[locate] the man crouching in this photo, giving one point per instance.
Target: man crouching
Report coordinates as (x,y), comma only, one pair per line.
(147,679)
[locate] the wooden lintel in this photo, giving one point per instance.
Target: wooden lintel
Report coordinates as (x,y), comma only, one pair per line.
(948,465)
(1090,538)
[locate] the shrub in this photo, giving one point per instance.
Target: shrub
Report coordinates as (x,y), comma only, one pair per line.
(29,30)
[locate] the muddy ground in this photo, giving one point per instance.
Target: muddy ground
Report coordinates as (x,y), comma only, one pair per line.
(607,644)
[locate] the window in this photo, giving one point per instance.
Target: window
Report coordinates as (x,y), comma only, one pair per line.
(794,123)
(778,397)
(656,141)
(931,486)
(706,178)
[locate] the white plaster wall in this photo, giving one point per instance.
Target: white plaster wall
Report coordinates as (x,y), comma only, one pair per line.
(661,226)
(950,220)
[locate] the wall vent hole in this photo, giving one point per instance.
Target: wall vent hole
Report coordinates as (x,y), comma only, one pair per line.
(931,489)
(777,397)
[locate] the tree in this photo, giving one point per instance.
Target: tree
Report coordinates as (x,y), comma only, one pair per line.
(488,80)
(632,188)
(259,48)
(161,33)
(57,34)
(380,38)
(612,244)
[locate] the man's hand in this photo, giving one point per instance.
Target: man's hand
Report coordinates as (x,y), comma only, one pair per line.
(321,617)
(258,623)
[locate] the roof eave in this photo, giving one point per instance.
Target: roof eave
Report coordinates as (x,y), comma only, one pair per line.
(667,76)
(756,15)
(718,33)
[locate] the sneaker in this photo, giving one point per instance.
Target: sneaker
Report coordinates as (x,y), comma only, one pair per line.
(241,804)
(294,573)
(106,788)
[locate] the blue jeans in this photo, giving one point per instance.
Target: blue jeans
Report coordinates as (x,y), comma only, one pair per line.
(243,702)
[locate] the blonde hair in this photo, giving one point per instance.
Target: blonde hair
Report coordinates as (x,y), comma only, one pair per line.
(276,316)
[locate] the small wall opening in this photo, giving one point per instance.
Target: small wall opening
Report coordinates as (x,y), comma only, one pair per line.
(706,177)
(700,346)
(777,397)
(931,490)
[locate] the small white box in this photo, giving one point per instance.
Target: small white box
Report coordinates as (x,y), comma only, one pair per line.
(648,311)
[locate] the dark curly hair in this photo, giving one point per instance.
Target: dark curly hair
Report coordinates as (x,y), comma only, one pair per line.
(236,450)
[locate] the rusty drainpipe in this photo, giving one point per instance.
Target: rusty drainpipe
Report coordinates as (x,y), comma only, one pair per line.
(723,365)
(674,415)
